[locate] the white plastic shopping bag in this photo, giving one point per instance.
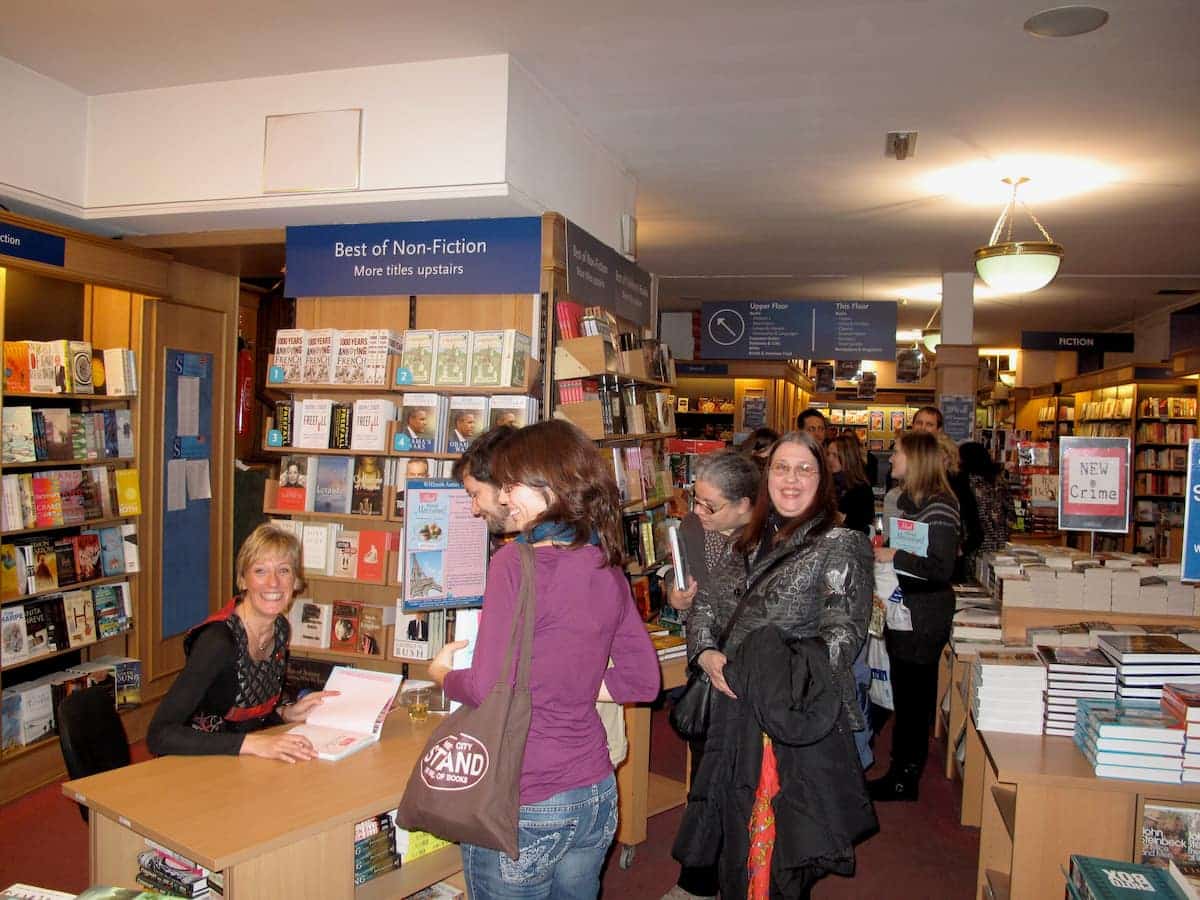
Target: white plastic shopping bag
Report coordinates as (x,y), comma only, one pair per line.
(887,590)
(881,673)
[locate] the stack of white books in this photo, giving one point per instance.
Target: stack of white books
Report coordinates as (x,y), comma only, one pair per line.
(976,624)
(1131,740)
(1183,702)
(1007,691)
(1145,662)
(1074,674)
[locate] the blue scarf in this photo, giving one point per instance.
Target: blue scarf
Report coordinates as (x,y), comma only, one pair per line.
(559,532)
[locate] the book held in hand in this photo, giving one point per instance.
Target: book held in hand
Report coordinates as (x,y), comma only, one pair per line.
(353,719)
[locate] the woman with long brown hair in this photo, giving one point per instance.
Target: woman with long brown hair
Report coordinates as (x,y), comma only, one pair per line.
(588,643)
(855,499)
(924,572)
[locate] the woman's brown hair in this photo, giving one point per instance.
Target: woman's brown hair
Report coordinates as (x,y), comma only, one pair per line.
(846,445)
(823,508)
(925,467)
(557,456)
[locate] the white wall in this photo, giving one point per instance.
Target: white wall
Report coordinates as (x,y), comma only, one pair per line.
(428,125)
(1151,340)
(557,165)
(45,127)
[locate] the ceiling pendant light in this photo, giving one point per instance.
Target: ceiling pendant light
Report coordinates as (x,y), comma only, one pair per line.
(1017,267)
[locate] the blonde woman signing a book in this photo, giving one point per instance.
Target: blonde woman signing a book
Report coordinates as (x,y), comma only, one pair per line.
(563,498)
(232,683)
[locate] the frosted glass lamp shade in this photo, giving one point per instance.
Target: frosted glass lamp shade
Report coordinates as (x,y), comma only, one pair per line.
(1018,267)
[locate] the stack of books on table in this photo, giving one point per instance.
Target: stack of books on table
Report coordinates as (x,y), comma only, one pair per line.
(1072,674)
(1007,689)
(1132,740)
(1145,662)
(976,624)
(1183,702)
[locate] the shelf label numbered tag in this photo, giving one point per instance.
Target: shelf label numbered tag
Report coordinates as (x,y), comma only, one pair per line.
(404,375)
(401,443)
(275,375)
(274,438)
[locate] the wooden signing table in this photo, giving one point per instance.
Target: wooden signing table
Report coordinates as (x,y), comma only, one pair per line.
(1041,803)
(279,830)
(275,830)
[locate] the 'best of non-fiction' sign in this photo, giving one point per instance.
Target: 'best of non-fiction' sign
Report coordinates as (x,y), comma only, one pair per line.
(597,275)
(35,246)
(1079,341)
(1093,493)
(789,329)
(459,256)
(1191,515)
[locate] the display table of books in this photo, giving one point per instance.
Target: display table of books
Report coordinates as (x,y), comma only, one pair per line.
(272,830)
(1042,802)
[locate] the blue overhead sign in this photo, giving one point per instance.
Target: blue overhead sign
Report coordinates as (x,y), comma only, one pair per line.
(460,256)
(1191,515)
(35,246)
(790,329)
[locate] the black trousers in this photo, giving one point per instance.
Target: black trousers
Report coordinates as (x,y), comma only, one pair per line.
(914,692)
(703,881)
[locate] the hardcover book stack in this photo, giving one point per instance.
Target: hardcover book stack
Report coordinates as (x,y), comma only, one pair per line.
(1183,702)
(1073,674)
(374,848)
(1132,740)
(1007,691)
(1145,662)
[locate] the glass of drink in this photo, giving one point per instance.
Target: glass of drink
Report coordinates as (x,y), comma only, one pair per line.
(416,698)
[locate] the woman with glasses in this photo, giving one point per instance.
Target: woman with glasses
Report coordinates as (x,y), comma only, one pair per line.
(924,570)
(780,789)
(723,498)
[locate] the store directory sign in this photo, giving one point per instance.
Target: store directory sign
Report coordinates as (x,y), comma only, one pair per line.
(799,329)
(1191,515)
(1093,493)
(460,256)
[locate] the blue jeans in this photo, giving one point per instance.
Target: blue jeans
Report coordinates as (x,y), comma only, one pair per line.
(563,843)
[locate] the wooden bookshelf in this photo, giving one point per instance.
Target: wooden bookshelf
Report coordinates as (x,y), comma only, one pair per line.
(91,398)
(79,585)
(71,463)
(91,523)
(45,656)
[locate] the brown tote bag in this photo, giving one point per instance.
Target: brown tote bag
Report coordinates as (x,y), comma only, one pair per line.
(466,787)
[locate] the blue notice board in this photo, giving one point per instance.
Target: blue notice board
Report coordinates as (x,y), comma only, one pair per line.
(461,256)
(1191,515)
(187,435)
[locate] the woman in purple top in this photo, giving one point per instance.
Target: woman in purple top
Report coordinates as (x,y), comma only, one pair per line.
(589,643)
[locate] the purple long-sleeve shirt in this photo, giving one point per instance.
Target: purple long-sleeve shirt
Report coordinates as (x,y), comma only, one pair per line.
(585,616)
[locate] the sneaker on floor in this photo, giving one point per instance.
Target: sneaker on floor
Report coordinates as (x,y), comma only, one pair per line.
(678,893)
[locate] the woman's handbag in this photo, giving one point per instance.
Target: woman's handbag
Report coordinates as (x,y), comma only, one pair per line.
(467,785)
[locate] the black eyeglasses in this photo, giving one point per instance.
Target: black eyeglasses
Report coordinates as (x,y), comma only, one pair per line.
(705,505)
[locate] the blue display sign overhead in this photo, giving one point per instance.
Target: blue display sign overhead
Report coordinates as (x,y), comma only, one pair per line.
(597,275)
(35,246)
(460,256)
(1191,515)
(789,329)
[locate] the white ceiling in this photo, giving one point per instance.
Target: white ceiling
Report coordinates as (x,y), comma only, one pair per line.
(756,131)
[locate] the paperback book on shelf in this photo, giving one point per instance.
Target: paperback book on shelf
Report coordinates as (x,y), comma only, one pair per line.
(517,410)
(452,358)
(319,355)
(311,623)
(417,355)
(333,489)
(367,497)
(369,430)
(465,422)
(314,418)
(353,719)
(421,418)
(292,494)
(289,354)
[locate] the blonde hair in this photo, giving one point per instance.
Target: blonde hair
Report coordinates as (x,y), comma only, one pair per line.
(949,452)
(264,541)
(925,467)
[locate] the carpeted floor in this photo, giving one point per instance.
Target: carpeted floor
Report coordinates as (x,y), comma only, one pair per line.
(921,850)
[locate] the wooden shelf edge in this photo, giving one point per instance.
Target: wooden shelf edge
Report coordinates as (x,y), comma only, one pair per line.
(413,876)
(102,398)
(107,579)
(90,523)
(68,463)
(998,884)
(337,517)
